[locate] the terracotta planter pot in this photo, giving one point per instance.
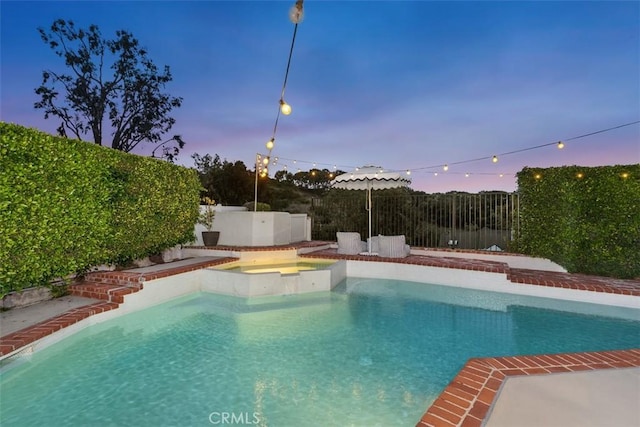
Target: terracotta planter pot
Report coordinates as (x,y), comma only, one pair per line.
(210,238)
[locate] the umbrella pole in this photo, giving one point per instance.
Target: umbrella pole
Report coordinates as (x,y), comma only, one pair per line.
(369,209)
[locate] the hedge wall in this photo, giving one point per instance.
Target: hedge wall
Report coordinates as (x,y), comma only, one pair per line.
(586,219)
(67,205)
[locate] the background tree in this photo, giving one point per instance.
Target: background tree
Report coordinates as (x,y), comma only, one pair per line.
(131,99)
(227,183)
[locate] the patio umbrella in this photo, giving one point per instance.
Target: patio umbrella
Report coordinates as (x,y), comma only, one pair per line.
(370,178)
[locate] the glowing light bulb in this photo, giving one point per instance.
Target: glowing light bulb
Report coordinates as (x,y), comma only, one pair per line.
(270,143)
(445,168)
(265,161)
(560,145)
(495,159)
(285,108)
(466,175)
(408,172)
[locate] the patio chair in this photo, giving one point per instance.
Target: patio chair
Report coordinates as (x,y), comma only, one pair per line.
(391,246)
(349,243)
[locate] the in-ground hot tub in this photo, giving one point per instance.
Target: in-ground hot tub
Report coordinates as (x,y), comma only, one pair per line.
(274,277)
(293,266)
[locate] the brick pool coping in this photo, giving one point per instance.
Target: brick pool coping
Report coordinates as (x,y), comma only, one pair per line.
(465,402)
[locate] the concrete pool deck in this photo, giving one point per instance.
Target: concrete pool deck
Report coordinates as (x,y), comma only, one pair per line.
(544,390)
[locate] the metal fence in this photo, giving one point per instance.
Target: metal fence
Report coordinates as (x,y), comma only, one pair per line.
(487,220)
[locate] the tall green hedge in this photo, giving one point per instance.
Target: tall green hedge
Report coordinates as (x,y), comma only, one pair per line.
(67,205)
(586,219)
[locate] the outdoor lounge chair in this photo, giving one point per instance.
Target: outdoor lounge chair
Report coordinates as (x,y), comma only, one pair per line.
(390,246)
(349,243)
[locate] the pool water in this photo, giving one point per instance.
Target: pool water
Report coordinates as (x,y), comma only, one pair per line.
(287,267)
(372,352)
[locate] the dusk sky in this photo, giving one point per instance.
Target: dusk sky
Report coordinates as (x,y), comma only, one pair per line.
(405,85)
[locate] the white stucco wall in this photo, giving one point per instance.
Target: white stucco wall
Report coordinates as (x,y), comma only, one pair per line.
(238,227)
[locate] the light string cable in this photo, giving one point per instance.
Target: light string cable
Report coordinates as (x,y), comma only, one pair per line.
(262,162)
(558,143)
(296,16)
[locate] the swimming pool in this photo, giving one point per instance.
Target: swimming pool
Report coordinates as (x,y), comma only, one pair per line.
(371,352)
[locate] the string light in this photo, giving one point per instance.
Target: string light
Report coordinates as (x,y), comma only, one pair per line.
(296,15)
(285,108)
(494,158)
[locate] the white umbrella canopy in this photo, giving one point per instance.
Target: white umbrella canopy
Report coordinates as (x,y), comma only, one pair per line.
(370,178)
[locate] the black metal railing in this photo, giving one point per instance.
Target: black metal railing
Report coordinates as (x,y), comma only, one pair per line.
(487,220)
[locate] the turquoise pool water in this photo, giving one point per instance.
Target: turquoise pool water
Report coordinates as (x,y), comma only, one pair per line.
(372,352)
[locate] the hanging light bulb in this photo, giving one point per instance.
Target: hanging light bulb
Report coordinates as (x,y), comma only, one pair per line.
(495,159)
(466,175)
(270,143)
(445,168)
(408,172)
(296,13)
(285,108)
(265,161)
(560,145)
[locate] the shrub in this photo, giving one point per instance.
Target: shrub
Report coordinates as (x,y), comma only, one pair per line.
(584,218)
(68,205)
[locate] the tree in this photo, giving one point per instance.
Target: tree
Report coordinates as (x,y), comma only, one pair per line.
(227,183)
(132,99)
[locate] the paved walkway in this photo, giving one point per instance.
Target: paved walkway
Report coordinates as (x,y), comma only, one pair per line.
(578,399)
(586,389)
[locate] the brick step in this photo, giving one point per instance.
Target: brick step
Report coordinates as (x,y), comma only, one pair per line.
(103,291)
(119,278)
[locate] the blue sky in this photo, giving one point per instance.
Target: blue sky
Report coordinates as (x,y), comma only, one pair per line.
(403,85)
